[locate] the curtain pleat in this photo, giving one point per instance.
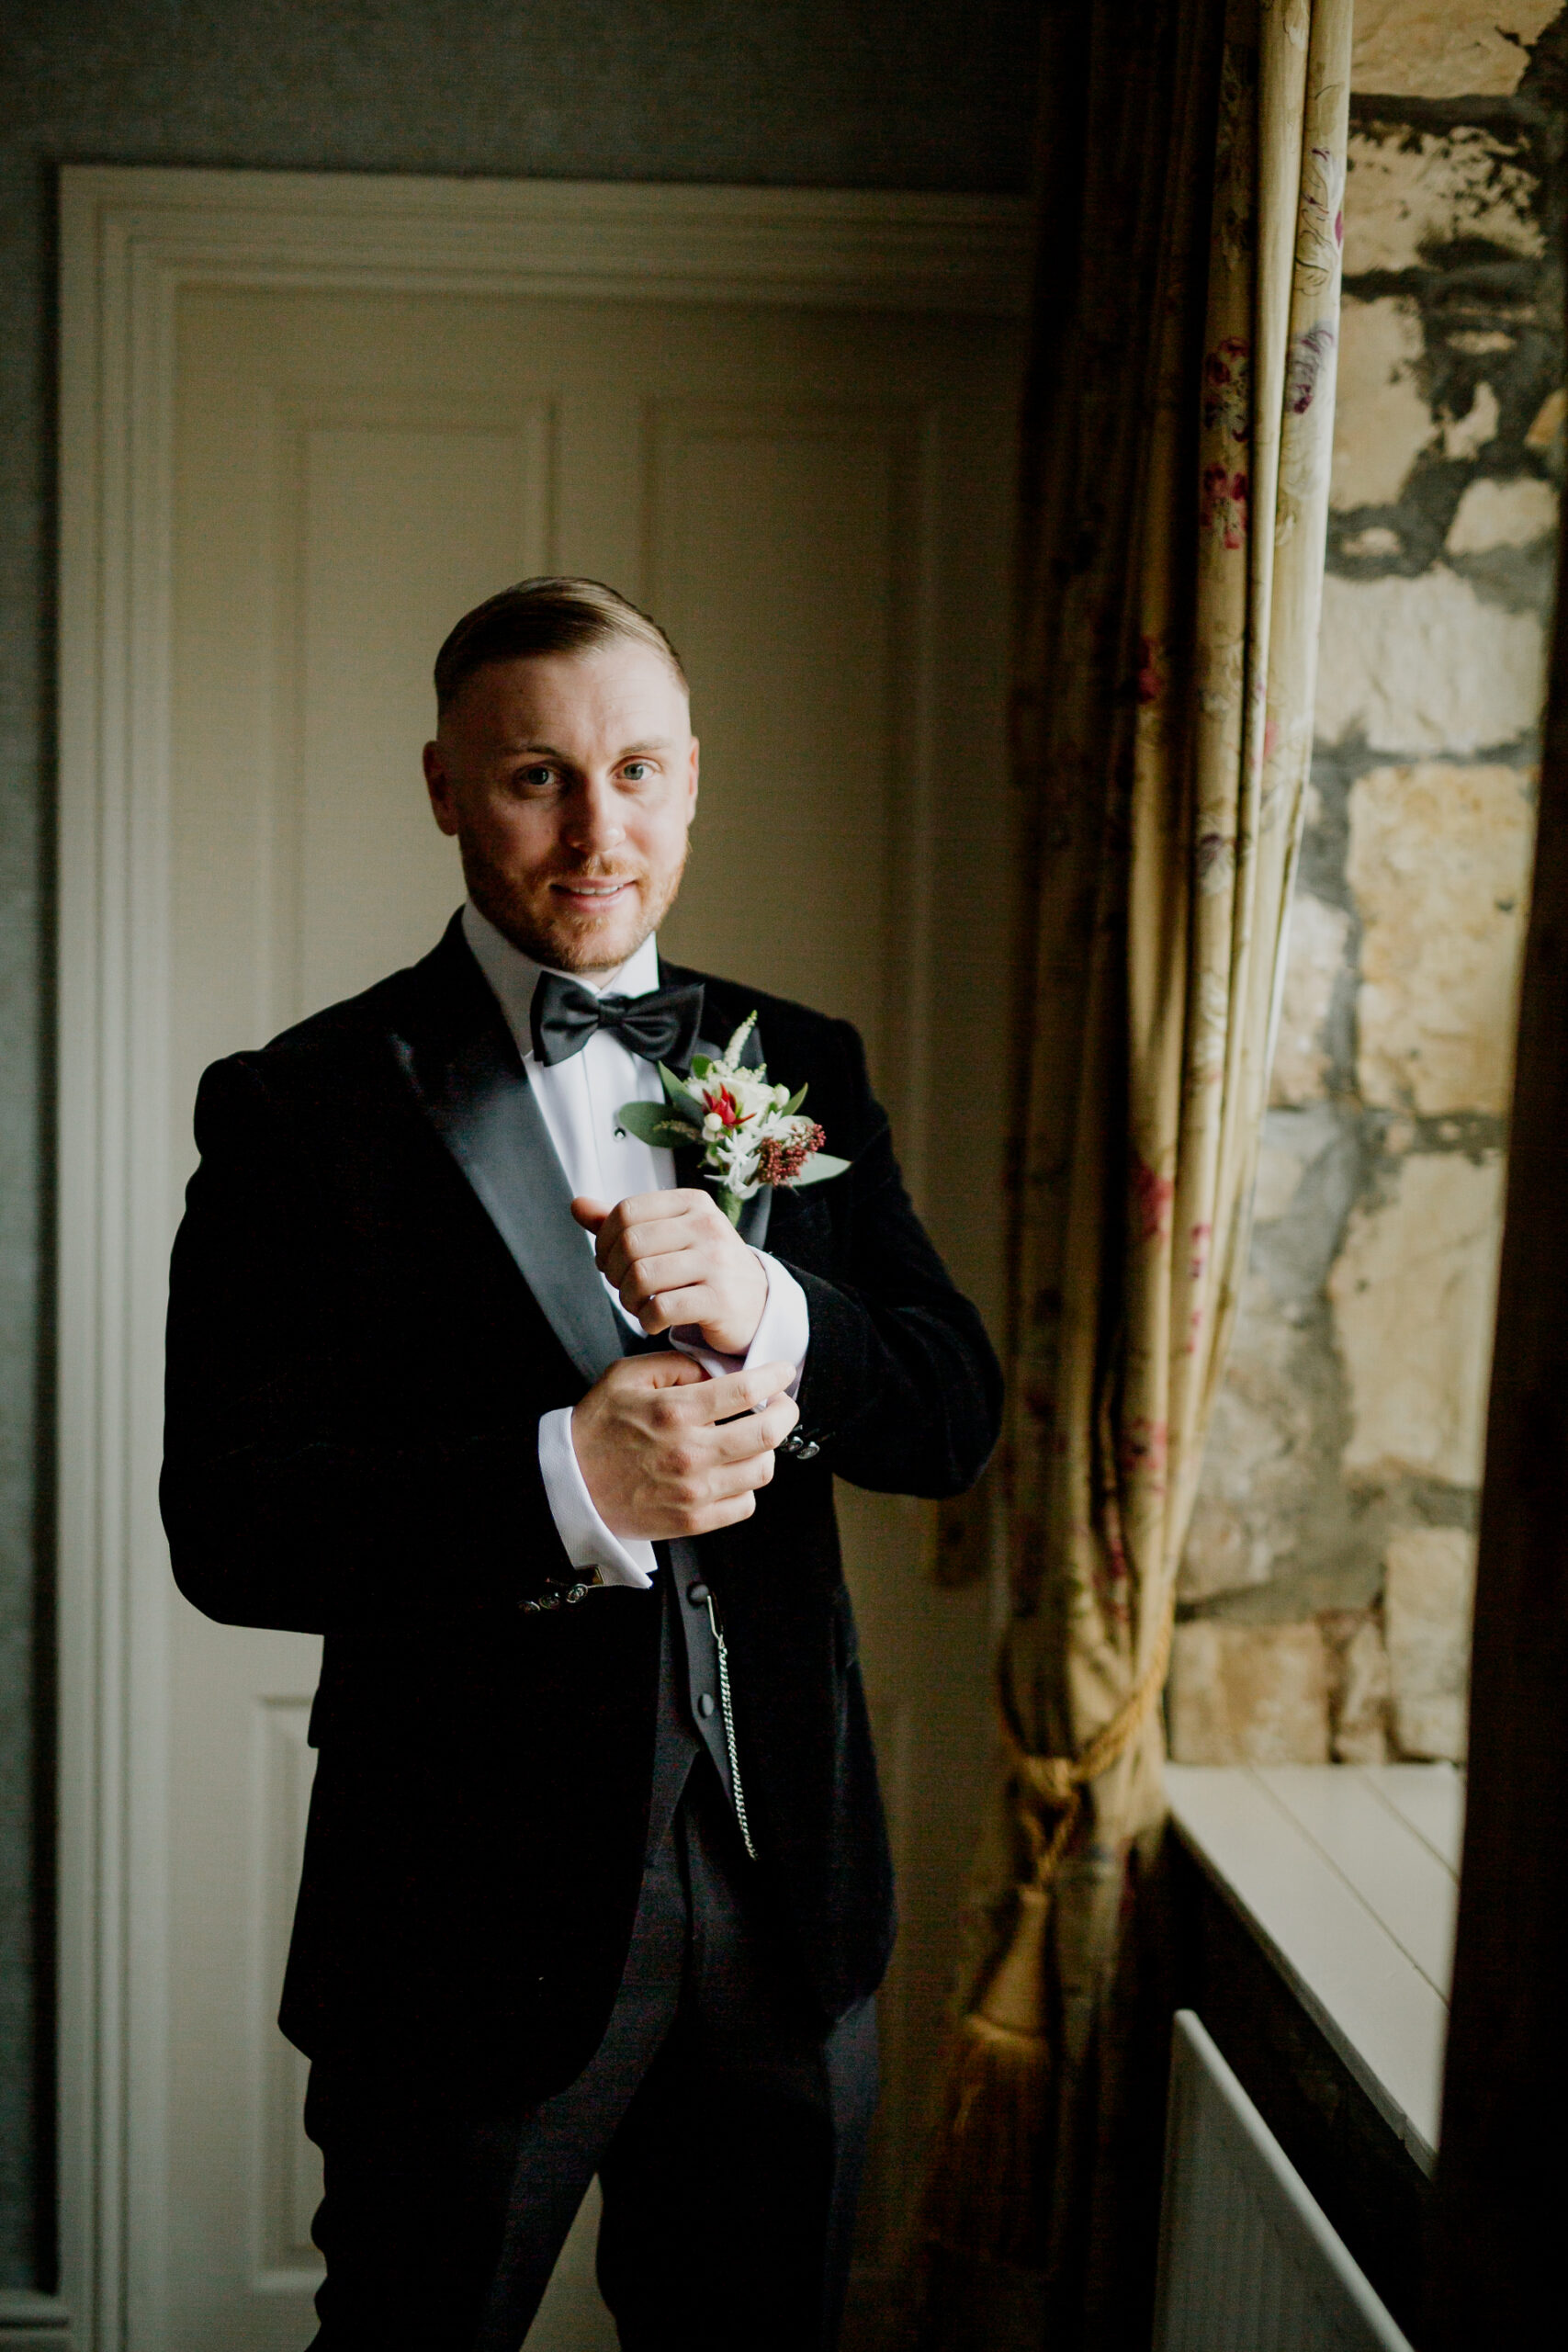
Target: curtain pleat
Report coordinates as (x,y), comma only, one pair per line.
(1178,423)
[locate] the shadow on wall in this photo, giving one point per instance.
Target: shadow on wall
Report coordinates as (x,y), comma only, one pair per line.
(1326,1588)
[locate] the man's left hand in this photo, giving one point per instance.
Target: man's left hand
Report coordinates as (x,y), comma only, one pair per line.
(675,1259)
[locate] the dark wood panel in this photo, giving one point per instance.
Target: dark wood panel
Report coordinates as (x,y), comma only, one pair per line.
(1503,2171)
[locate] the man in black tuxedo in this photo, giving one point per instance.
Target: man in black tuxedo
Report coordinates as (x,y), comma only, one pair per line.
(498,1400)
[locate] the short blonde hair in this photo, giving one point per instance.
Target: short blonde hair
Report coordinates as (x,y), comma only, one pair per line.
(536,616)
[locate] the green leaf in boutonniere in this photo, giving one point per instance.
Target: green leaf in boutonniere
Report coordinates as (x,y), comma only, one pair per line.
(818,1168)
(751,1130)
(651,1122)
(679,1095)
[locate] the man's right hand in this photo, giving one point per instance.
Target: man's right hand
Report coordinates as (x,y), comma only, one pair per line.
(661,1452)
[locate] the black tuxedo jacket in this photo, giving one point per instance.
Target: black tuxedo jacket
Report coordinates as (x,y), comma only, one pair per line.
(376,1292)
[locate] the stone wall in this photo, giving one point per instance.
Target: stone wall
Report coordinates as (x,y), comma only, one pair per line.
(1327,1587)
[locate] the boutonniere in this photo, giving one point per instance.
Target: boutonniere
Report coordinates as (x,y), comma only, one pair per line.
(751,1132)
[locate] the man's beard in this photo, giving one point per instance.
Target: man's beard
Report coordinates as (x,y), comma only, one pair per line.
(570,944)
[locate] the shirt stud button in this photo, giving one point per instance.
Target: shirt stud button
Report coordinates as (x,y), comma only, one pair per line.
(705,1704)
(696,1594)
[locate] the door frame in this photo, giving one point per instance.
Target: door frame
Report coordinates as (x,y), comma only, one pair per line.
(130,239)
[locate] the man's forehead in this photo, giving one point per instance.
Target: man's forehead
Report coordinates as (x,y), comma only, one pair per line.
(608,687)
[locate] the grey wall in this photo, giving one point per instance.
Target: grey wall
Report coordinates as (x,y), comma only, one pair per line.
(907,94)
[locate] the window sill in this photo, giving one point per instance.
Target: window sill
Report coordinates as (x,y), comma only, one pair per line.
(1347,1876)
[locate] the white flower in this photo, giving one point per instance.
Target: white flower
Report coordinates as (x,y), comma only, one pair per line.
(750,1129)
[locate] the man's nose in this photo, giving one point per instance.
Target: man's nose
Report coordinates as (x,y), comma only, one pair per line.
(593,820)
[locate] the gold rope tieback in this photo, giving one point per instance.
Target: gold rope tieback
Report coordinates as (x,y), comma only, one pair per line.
(984,2190)
(1057,1782)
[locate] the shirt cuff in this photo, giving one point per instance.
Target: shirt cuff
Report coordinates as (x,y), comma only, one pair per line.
(783,1336)
(589,1542)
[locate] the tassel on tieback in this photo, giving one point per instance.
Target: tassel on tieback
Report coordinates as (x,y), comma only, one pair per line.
(986,2194)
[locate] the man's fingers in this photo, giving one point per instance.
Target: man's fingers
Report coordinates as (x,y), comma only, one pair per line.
(720,1400)
(648,1278)
(756,1433)
(739,1392)
(672,1310)
(775,1420)
(700,1519)
(725,1514)
(638,1206)
(667,1368)
(633,1227)
(732,1478)
(590,1215)
(642,1245)
(645,1208)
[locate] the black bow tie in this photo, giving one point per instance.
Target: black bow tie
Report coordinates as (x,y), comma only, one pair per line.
(662,1026)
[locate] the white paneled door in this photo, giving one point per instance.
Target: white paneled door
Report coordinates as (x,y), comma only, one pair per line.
(814,500)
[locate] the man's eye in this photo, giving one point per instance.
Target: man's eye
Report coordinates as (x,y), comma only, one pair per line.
(637,771)
(537,779)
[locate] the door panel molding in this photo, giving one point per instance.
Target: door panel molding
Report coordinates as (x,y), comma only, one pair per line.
(130,241)
(893,441)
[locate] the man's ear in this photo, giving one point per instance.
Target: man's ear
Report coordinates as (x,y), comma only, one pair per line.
(692,782)
(438,783)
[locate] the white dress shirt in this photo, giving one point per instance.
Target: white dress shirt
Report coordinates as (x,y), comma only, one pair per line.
(578,1099)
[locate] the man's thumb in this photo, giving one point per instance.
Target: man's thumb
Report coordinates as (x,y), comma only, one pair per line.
(590,1215)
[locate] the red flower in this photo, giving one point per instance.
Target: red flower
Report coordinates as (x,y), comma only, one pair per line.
(720,1099)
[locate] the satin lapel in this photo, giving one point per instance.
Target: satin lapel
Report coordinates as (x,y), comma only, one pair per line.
(475,1093)
(755,1213)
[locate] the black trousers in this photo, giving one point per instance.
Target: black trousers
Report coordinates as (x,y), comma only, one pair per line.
(727,2131)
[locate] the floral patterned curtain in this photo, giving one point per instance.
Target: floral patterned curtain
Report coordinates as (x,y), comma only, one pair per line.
(1176,437)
